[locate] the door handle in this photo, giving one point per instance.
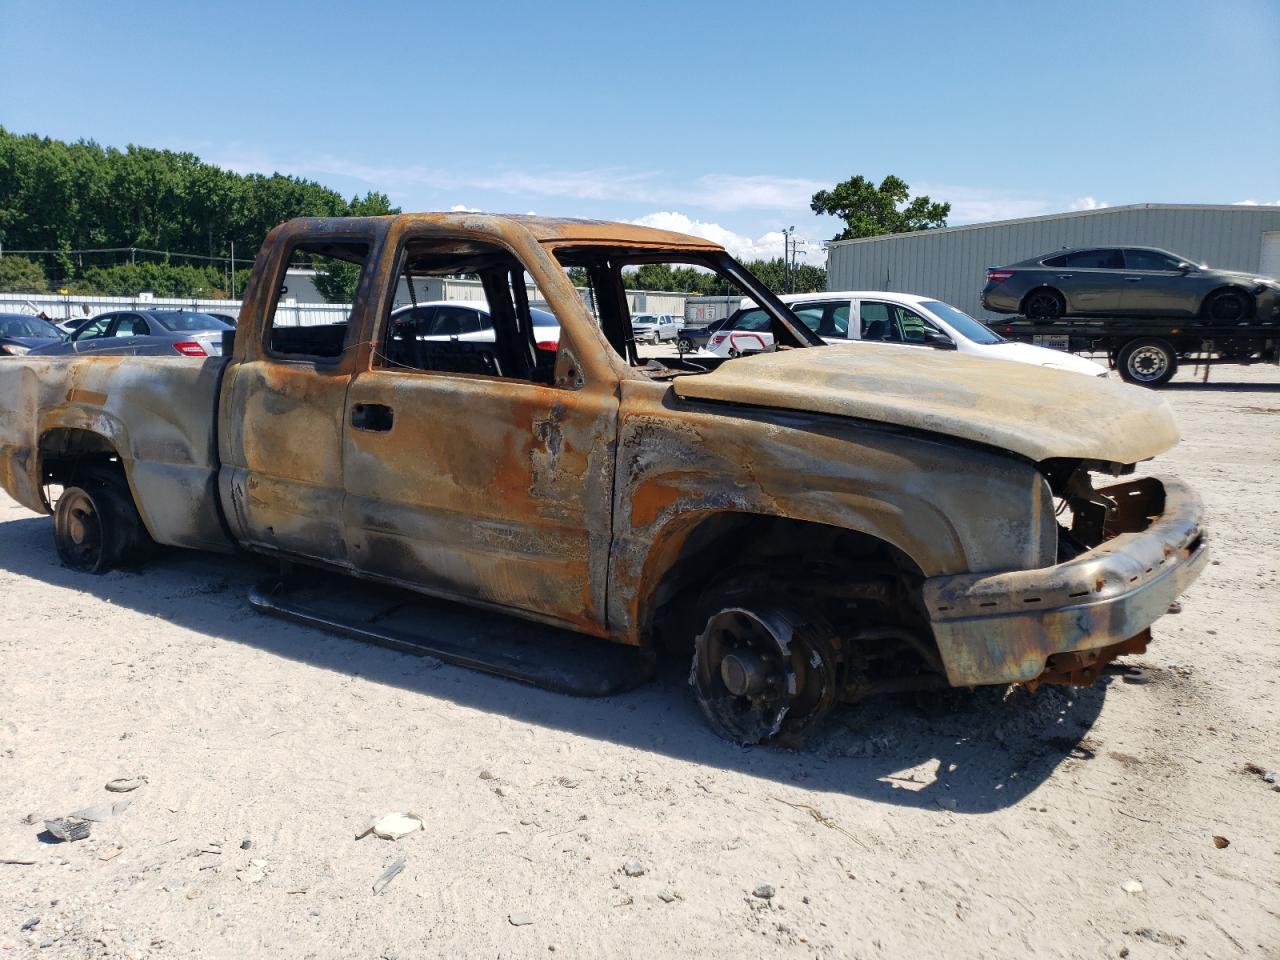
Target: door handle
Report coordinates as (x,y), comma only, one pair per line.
(1132,279)
(372,416)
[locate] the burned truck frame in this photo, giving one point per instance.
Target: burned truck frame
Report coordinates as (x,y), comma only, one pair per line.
(816,525)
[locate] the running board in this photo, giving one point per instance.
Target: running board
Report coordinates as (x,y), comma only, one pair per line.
(543,656)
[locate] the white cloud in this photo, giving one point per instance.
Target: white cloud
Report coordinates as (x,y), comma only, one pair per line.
(463,208)
(765,247)
(1257,203)
(714,191)
(1087,203)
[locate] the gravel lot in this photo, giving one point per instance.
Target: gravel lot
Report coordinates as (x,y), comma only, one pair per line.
(1076,824)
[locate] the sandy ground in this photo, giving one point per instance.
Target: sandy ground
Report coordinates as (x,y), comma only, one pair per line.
(963,826)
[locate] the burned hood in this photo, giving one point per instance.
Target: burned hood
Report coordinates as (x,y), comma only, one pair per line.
(1034,411)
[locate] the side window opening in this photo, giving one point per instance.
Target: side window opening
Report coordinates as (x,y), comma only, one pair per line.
(463,306)
(338,266)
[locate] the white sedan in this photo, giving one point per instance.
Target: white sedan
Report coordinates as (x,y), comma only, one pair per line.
(910,320)
(466,320)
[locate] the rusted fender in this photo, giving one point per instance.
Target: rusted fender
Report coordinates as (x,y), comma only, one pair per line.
(157,414)
(951,508)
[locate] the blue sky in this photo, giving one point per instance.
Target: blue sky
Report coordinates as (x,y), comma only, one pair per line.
(718,118)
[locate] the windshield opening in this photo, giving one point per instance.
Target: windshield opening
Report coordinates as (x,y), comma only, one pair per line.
(626,290)
(961,322)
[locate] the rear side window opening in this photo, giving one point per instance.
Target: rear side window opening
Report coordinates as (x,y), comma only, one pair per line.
(339,267)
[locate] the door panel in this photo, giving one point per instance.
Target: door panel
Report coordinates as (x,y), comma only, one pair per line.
(1151,285)
(1091,280)
(281,433)
(483,488)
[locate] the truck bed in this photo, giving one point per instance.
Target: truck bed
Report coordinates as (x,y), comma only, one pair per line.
(158,413)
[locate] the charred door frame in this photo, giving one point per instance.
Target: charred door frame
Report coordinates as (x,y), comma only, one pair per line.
(489,489)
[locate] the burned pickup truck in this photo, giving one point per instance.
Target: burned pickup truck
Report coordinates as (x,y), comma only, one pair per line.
(813,525)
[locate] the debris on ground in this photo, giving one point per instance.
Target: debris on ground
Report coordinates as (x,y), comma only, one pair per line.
(1131,886)
(68,829)
(487,775)
(111,854)
(31,924)
(1221,842)
(633,868)
(125,784)
(246,844)
(391,826)
(668,896)
(254,872)
(388,875)
(764,891)
(519,919)
(102,812)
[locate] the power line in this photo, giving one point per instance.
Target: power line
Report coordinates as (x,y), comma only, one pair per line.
(131,250)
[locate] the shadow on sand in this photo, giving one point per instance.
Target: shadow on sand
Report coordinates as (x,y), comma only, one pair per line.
(971,752)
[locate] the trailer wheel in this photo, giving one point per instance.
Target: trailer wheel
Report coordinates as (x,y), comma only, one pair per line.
(684,345)
(1044,303)
(96,526)
(1148,363)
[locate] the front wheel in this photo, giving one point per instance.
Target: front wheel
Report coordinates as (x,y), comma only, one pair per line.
(1227,306)
(1148,363)
(764,671)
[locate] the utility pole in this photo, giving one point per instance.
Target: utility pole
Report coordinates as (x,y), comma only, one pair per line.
(787,234)
(233,269)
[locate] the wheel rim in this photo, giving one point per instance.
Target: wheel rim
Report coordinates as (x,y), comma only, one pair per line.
(757,678)
(1148,363)
(1043,305)
(79,531)
(1227,308)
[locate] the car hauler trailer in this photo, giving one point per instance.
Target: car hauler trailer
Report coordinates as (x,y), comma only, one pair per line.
(1149,350)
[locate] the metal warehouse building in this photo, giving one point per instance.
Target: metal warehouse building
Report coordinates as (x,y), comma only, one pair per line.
(950,263)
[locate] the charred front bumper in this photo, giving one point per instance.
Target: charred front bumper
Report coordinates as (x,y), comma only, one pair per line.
(1003,627)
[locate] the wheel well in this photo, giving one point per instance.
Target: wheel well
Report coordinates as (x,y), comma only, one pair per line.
(66,453)
(1041,289)
(823,564)
(1227,288)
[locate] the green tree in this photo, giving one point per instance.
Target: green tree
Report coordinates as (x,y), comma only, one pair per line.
(869,210)
(336,280)
(20,275)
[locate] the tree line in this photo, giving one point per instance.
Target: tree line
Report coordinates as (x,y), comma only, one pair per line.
(68,197)
(76,196)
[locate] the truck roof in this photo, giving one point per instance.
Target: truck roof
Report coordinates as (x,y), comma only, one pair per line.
(558,230)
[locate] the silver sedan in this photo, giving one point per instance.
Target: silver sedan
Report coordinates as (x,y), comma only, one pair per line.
(152,333)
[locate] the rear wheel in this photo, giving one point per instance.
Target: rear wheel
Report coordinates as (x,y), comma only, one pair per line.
(1149,363)
(684,345)
(1044,303)
(764,671)
(1227,306)
(96,526)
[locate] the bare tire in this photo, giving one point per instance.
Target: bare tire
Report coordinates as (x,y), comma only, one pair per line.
(1227,306)
(764,671)
(1148,363)
(96,527)
(1044,303)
